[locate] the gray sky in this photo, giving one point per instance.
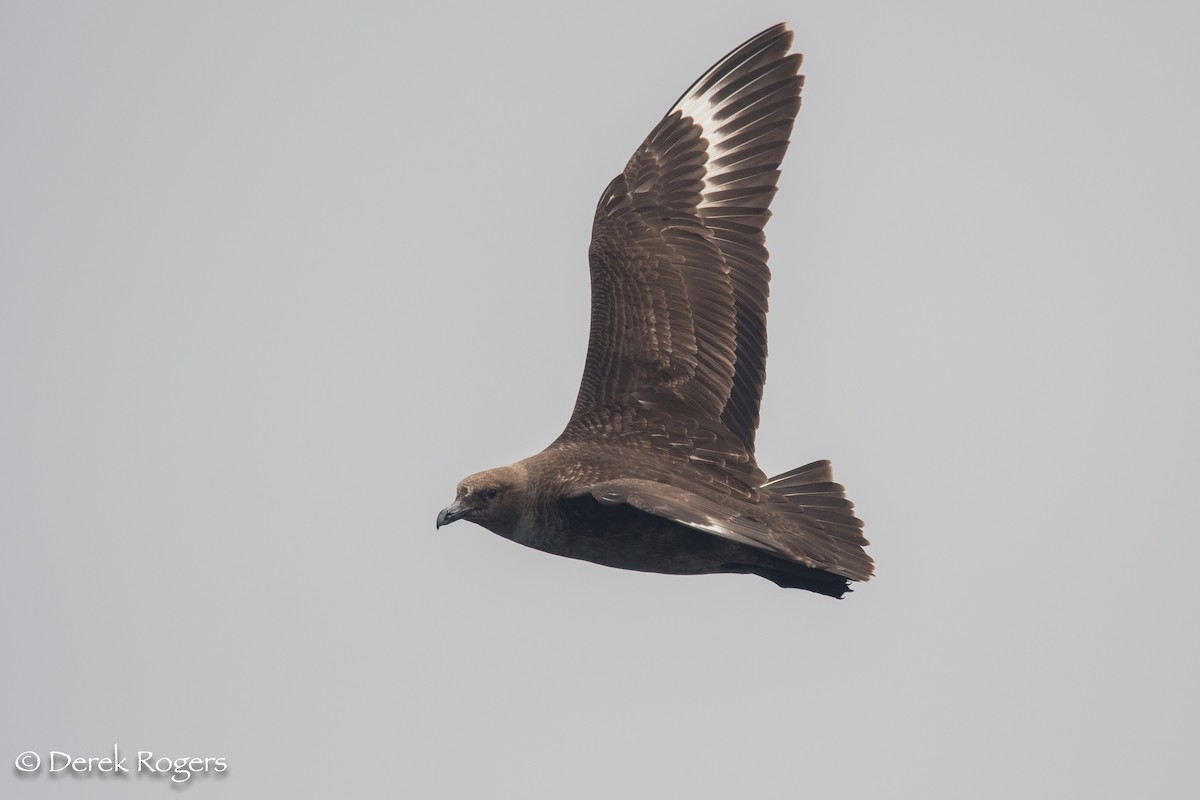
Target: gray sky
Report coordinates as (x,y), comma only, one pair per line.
(272,280)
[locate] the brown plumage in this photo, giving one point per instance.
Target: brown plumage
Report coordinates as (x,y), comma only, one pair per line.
(655,470)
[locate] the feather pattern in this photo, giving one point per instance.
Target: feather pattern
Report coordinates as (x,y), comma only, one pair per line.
(679,275)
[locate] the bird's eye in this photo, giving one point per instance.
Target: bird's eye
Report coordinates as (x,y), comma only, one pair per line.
(491,494)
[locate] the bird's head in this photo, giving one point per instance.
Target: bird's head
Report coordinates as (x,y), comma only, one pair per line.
(493,498)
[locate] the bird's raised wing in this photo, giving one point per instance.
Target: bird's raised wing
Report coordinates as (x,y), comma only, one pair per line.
(678,266)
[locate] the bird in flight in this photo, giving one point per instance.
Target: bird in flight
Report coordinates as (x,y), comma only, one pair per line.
(655,470)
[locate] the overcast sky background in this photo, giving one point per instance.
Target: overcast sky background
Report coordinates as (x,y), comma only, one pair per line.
(273,278)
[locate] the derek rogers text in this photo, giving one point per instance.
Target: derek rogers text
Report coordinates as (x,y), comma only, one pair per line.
(181,769)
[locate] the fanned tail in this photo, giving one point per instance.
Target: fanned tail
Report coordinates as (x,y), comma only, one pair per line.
(812,495)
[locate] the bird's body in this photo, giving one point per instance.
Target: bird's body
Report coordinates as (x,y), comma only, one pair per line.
(655,470)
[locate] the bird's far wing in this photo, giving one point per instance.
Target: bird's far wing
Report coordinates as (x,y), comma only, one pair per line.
(746,105)
(679,276)
(793,538)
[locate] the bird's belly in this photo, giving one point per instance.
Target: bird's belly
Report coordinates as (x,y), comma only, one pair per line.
(625,538)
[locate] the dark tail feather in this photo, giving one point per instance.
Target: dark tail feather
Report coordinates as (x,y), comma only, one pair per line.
(810,491)
(797,576)
(816,472)
(810,497)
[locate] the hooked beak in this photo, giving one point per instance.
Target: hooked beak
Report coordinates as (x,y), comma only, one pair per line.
(456,510)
